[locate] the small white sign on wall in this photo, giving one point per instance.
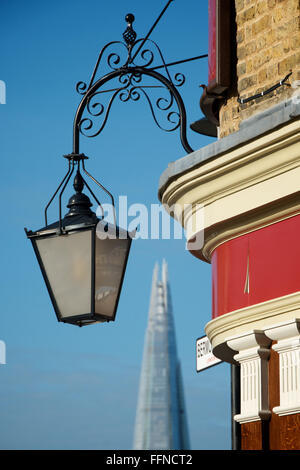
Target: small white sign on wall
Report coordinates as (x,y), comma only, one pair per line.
(2,352)
(204,355)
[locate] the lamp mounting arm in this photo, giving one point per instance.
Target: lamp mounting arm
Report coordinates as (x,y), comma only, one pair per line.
(132,81)
(131,75)
(129,79)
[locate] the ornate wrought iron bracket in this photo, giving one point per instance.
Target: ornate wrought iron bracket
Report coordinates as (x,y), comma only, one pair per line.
(132,81)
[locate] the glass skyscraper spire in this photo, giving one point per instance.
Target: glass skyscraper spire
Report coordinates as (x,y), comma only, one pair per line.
(161,416)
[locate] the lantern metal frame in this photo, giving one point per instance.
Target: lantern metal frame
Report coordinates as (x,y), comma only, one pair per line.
(80,218)
(92,317)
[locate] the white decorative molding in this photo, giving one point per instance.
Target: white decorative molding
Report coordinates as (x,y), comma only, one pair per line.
(254,352)
(241,187)
(287,336)
(260,316)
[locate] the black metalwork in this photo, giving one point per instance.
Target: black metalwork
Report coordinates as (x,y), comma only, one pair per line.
(134,77)
(129,78)
(129,35)
(79,204)
(266,92)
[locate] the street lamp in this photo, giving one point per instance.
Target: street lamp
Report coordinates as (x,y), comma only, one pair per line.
(82,257)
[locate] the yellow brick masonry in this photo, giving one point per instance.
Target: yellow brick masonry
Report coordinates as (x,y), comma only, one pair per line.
(268,48)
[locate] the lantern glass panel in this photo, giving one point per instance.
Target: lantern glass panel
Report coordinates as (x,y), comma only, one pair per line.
(67,262)
(110,262)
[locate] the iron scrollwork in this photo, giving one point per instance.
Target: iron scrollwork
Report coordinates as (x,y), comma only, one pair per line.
(131,76)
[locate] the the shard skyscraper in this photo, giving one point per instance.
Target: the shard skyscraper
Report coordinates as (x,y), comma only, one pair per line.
(161,416)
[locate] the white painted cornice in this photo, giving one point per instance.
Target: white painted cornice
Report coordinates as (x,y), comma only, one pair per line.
(261,316)
(244,188)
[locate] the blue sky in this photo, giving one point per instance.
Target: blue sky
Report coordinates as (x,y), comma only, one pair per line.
(64,387)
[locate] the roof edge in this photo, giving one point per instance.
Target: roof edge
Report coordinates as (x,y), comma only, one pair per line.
(251,128)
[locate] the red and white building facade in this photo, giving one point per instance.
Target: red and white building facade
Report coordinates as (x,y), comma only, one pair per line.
(247,185)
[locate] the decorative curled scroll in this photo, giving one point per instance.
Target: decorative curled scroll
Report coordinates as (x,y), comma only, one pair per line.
(149,56)
(114,62)
(81,88)
(133,90)
(131,87)
(137,64)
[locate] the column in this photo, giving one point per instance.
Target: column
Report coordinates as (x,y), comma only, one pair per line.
(287,336)
(253,354)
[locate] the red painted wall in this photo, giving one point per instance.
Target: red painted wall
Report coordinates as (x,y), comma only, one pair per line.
(212,40)
(273,258)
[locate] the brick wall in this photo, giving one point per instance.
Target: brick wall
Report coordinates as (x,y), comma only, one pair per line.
(268,48)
